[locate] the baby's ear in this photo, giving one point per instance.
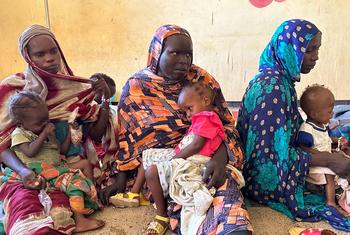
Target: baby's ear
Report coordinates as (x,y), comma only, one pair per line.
(207,100)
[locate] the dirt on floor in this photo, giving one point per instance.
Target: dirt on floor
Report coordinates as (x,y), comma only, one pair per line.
(133,221)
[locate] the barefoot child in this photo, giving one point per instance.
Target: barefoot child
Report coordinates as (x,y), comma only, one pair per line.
(318,103)
(164,167)
(35,144)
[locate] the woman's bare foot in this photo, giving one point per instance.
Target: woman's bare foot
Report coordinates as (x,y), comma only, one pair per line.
(86,224)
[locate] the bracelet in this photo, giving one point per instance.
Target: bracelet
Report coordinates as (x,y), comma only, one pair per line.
(105,100)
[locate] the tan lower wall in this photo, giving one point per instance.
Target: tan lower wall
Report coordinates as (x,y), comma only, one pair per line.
(112,36)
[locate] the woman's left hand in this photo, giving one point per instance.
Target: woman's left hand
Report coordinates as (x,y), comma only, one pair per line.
(215,172)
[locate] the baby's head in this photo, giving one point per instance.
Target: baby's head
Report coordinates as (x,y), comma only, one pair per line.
(195,98)
(29,111)
(317,102)
(110,82)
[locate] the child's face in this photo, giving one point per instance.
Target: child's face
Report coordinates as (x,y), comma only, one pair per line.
(191,103)
(323,108)
(35,119)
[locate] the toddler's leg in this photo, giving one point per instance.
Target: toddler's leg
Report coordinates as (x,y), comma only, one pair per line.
(85,166)
(153,183)
(139,181)
(330,190)
(132,198)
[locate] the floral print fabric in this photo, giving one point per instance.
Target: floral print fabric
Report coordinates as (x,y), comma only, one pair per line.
(275,169)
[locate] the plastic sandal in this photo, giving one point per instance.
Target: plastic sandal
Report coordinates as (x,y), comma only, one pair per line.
(132,200)
(154,227)
(144,201)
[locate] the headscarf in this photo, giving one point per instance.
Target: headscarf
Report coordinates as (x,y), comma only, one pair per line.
(268,121)
(148,112)
(157,43)
(63,92)
(286,50)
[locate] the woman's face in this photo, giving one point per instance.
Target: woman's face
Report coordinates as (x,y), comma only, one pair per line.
(176,58)
(311,54)
(44,53)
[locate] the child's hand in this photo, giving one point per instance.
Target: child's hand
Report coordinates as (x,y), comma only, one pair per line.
(100,86)
(49,129)
(343,141)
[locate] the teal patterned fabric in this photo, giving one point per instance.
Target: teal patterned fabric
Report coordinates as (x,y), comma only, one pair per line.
(275,169)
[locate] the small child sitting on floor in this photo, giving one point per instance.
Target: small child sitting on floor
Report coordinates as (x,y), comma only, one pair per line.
(164,167)
(318,103)
(35,144)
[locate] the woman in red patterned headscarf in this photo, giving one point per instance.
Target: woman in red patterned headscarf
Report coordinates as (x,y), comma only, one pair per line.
(48,75)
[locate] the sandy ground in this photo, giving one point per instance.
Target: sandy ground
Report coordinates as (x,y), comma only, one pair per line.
(133,221)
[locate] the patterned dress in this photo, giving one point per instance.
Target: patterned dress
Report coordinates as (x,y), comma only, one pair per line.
(150,118)
(275,169)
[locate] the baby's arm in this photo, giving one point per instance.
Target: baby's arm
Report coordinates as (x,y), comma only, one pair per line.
(194,147)
(30,149)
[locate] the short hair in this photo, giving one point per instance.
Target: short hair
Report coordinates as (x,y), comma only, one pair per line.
(201,89)
(21,101)
(309,96)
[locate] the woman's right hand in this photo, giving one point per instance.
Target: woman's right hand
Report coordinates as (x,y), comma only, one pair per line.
(31,180)
(340,164)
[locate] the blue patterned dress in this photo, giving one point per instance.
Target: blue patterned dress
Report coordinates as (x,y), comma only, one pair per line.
(275,169)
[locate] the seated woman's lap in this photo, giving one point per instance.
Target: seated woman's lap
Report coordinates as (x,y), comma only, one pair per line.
(21,203)
(219,218)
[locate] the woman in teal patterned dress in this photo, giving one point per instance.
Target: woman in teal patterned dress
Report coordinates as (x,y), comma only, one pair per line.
(275,168)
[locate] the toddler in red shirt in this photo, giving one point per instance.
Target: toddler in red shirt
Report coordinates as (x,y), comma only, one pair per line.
(165,167)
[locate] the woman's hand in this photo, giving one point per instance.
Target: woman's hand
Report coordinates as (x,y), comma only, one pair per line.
(337,162)
(28,176)
(215,172)
(31,180)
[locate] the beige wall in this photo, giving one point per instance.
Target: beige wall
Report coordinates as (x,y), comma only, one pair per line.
(112,36)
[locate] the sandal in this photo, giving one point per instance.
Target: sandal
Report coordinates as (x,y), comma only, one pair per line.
(155,227)
(144,201)
(119,200)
